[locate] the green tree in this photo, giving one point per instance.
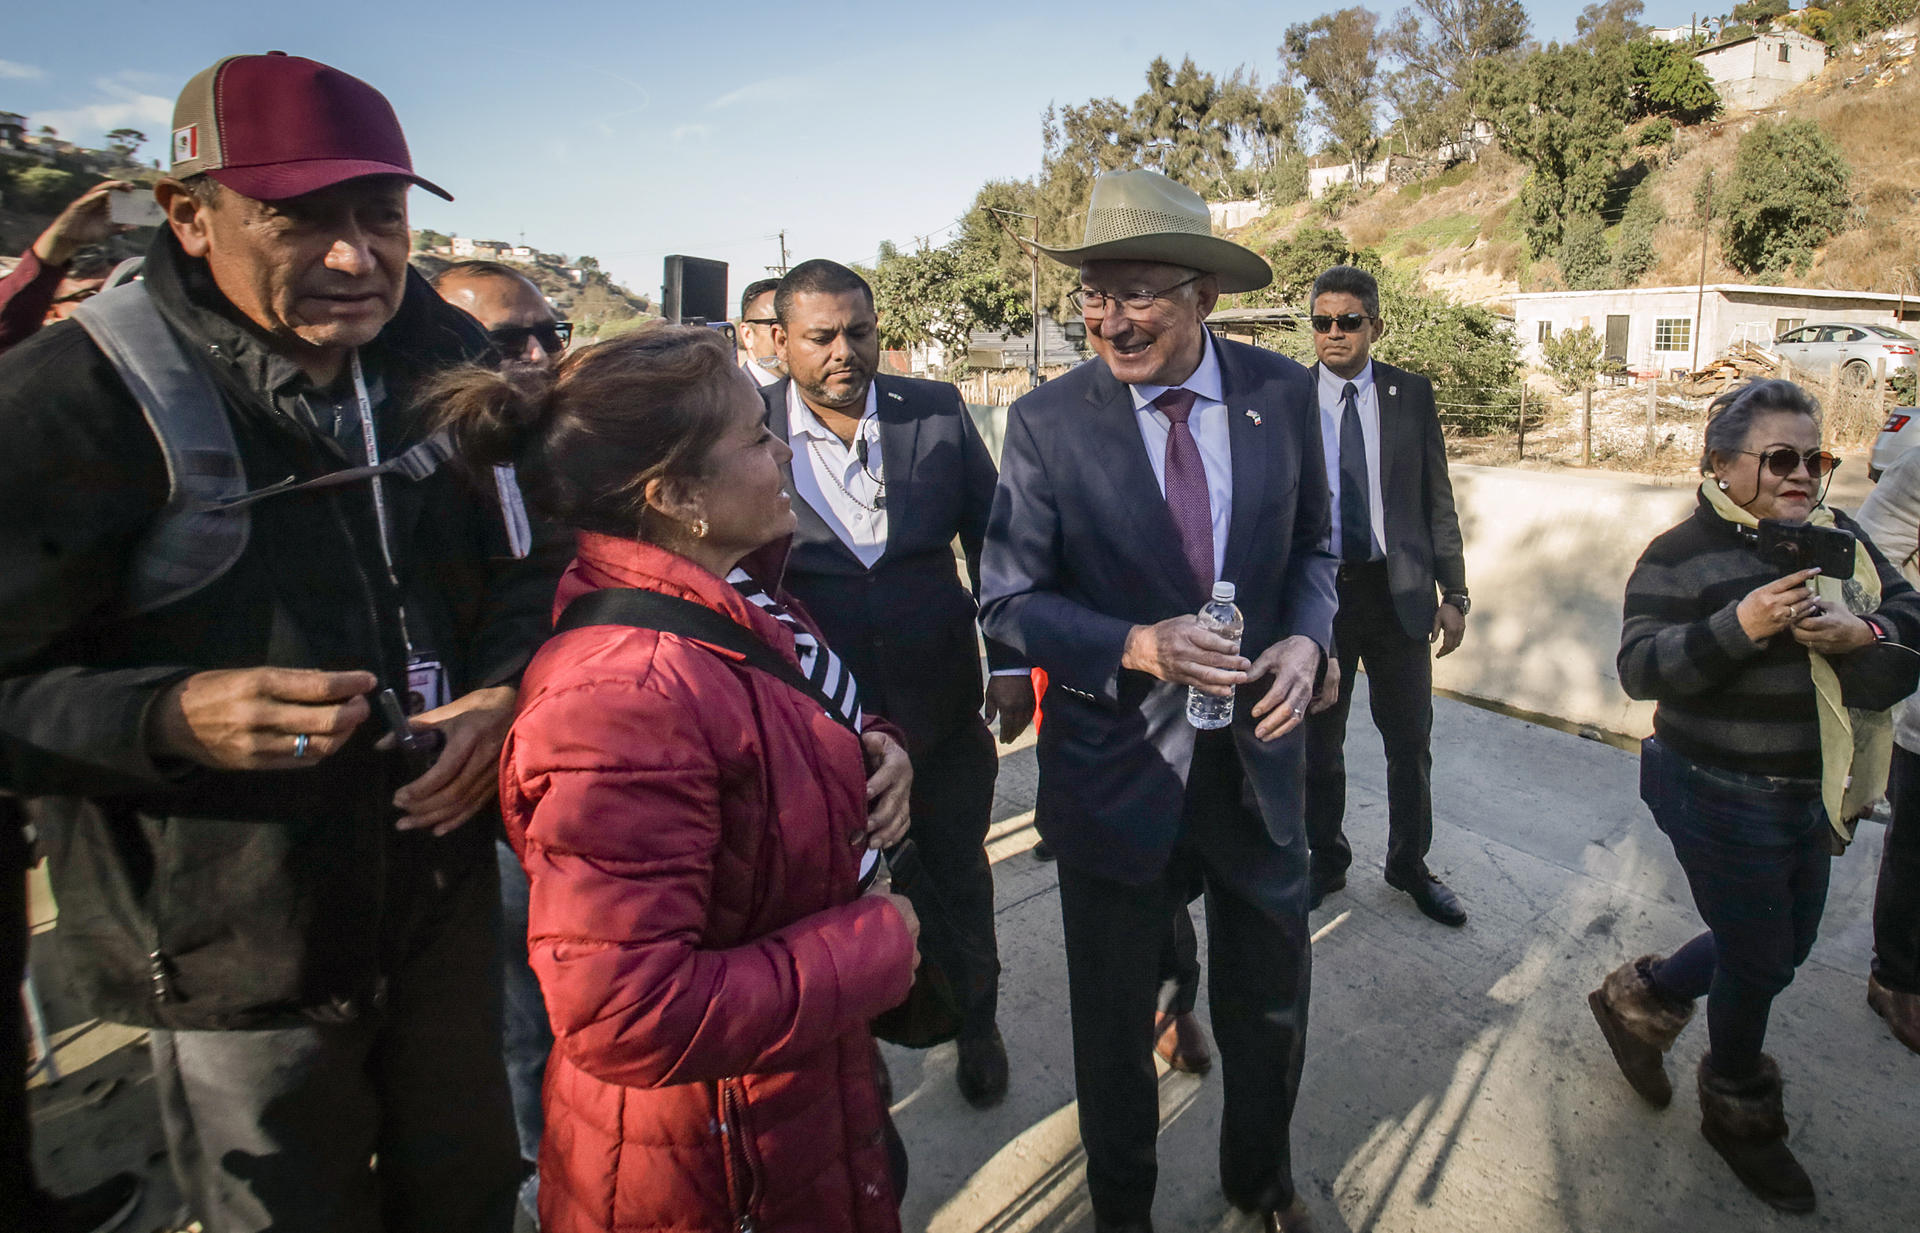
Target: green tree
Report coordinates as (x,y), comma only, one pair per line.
(1760,12)
(1337,57)
(126,142)
(1789,195)
(943,295)
(1299,259)
(1634,254)
(1585,260)
(1182,123)
(45,189)
(1263,126)
(1468,353)
(1563,112)
(1610,21)
(1438,43)
(1668,81)
(1573,359)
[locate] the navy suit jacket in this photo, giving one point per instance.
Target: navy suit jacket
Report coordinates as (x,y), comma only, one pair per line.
(1081,548)
(906,626)
(1424,548)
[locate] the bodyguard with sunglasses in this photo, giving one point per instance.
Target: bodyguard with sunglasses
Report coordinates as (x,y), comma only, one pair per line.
(1757,764)
(1403,586)
(523,327)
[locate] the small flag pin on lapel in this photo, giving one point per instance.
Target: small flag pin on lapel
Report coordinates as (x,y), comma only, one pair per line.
(1253,415)
(891,394)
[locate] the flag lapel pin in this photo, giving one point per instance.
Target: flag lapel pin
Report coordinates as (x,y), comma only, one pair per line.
(896,397)
(1253,415)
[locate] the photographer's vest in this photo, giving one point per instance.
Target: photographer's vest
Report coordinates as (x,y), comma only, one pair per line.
(203,528)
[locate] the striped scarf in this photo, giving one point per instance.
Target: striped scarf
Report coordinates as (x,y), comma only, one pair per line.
(818,663)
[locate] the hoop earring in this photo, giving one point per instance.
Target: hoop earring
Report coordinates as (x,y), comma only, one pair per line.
(699,528)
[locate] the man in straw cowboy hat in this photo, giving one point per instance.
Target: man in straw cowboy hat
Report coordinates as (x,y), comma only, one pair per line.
(1127,488)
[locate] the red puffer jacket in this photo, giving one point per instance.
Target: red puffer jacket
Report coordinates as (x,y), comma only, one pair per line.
(707,961)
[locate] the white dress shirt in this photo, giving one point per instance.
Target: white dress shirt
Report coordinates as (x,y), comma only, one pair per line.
(830,479)
(1208,423)
(1367,401)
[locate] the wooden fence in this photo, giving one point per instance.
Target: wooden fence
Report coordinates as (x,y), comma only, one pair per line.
(998,387)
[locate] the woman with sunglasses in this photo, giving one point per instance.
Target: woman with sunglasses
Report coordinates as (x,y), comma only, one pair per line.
(1749,765)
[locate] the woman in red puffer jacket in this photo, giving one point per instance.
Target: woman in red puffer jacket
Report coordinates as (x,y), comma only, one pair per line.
(692,827)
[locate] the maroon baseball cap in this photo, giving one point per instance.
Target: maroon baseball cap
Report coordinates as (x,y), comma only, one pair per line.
(278,126)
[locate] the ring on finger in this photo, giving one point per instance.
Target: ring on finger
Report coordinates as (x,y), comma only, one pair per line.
(300,744)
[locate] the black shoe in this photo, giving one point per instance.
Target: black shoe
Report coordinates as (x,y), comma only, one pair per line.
(1041,852)
(1126,1226)
(99,1210)
(982,1074)
(1325,884)
(1432,897)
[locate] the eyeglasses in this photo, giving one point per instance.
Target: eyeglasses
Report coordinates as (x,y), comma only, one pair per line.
(553,335)
(1348,322)
(759,321)
(1783,461)
(1091,303)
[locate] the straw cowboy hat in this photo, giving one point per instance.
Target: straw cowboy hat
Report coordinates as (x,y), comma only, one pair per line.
(1144,216)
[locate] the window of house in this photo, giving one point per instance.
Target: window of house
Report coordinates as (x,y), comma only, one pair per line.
(1546,330)
(1672,333)
(1786,325)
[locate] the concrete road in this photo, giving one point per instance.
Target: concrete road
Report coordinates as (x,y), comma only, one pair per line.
(1455,1079)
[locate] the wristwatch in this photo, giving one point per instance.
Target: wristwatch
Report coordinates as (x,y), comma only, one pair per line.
(1459,600)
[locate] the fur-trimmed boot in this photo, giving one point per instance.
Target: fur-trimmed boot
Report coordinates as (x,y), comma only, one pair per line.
(1746,1123)
(1640,1026)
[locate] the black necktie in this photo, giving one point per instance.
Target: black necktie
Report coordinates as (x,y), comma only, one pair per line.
(1356,517)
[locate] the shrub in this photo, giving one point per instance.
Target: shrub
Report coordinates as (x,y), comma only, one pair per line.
(1585,262)
(1788,196)
(1573,358)
(46,189)
(1657,132)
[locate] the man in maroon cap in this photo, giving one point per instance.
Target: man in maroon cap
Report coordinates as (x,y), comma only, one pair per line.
(207,621)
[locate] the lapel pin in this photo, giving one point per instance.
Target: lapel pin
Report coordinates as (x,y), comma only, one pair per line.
(895,397)
(1393,391)
(1253,415)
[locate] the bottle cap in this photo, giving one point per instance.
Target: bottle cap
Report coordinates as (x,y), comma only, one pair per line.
(1223,591)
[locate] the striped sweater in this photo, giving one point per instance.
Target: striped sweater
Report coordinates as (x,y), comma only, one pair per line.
(1722,699)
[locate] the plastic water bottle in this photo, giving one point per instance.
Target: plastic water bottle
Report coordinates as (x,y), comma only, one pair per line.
(1204,710)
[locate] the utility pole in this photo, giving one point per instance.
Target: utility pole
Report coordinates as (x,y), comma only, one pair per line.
(780,271)
(1705,199)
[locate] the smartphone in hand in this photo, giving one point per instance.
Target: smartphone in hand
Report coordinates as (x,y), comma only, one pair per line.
(419,747)
(134,207)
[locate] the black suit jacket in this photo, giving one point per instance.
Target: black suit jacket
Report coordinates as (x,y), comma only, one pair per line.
(1425,558)
(906,626)
(1082,548)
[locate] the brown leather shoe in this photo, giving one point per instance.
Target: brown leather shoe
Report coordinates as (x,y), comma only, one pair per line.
(1181,1042)
(1900,1010)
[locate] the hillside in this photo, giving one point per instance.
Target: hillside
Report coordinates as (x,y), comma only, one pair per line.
(1459,232)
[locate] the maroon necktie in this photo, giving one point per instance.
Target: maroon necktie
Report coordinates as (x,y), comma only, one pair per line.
(1187,486)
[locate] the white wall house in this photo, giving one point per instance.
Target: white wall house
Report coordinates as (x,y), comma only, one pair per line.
(1652,328)
(1231,215)
(1320,179)
(1755,71)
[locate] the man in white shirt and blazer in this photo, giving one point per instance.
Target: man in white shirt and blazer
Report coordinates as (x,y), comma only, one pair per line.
(886,473)
(1403,585)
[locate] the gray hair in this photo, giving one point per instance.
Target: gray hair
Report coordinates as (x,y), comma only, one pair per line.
(1730,416)
(1348,280)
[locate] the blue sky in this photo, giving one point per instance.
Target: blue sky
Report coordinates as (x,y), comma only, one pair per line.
(630,131)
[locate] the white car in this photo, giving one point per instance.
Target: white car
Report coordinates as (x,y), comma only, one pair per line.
(1859,350)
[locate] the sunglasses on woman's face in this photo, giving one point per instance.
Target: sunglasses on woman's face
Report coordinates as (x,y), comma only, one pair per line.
(1348,322)
(1783,461)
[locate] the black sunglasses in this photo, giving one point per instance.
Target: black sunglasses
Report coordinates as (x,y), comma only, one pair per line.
(1782,461)
(553,335)
(1348,322)
(759,321)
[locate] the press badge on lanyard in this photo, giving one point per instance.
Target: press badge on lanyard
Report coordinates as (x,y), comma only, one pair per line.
(426,676)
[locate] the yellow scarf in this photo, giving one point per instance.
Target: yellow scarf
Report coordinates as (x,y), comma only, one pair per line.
(1856,747)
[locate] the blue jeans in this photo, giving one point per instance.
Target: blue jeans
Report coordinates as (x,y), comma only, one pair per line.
(527,1034)
(1755,854)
